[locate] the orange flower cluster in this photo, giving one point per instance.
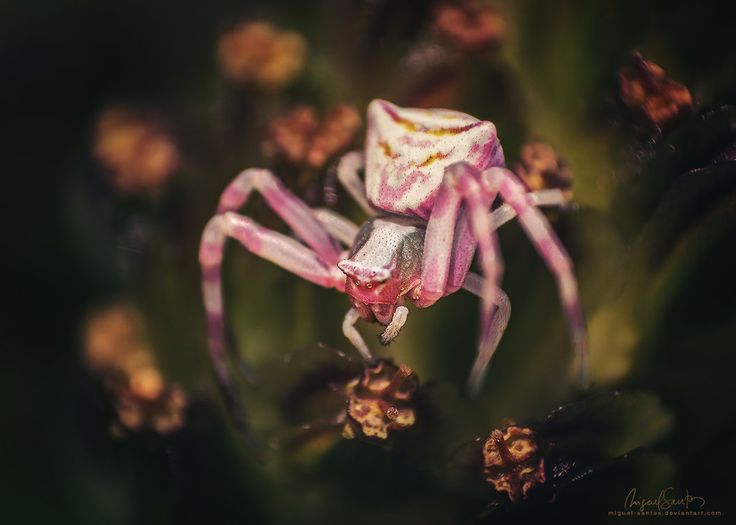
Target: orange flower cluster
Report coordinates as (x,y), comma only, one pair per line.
(644,87)
(116,348)
(468,26)
(513,461)
(379,401)
(303,140)
(261,54)
(540,168)
(136,150)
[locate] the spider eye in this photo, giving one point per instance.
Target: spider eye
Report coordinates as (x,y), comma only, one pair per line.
(369,285)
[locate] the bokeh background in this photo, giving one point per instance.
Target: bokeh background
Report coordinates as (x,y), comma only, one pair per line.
(122,122)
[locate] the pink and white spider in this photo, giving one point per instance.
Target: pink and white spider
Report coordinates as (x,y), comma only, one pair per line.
(431,177)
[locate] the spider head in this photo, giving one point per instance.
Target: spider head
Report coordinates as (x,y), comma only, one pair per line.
(384,262)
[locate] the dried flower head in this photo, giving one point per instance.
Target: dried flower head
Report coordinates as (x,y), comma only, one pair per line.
(513,461)
(645,88)
(136,150)
(261,54)
(540,168)
(163,414)
(108,334)
(468,26)
(379,401)
(303,140)
(117,349)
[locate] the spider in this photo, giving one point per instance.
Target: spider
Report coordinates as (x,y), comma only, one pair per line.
(431,178)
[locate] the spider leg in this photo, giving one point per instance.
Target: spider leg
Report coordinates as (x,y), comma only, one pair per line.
(473,225)
(464,243)
(463,251)
(270,245)
(462,256)
(550,249)
(495,307)
(317,265)
(352,334)
(474,284)
(438,242)
(287,205)
(347,173)
(341,228)
(505,212)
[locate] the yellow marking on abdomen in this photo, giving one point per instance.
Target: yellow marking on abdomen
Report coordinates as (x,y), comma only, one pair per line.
(433,158)
(386,148)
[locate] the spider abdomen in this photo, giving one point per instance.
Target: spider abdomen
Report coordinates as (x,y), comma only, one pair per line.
(407,151)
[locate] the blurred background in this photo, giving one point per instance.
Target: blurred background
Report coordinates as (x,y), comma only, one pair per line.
(122,123)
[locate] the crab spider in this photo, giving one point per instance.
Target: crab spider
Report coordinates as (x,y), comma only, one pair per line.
(431,178)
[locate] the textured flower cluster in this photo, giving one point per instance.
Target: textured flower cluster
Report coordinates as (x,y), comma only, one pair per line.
(304,140)
(136,150)
(540,167)
(469,26)
(116,348)
(380,401)
(513,461)
(258,53)
(645,88)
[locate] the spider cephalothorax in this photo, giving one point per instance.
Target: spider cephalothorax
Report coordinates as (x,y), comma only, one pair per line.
(431,178)
(383,265)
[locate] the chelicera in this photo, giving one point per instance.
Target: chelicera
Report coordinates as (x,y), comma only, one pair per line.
(431,179)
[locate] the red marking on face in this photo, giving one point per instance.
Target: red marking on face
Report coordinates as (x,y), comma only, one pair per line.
(386,292)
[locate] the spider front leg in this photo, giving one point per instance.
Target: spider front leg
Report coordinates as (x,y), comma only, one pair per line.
(550,249)
(464,244)
(450,241)
(351,333)
(317,264)
(452,234)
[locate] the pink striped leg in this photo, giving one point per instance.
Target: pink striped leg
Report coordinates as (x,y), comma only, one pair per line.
(288,206)
(550,249)
(461,185)
(292,210)
(464,246)
(495,306)
(270,245)
(438,241)
(474,284)
(463,250)
(347,174)
(464,242)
